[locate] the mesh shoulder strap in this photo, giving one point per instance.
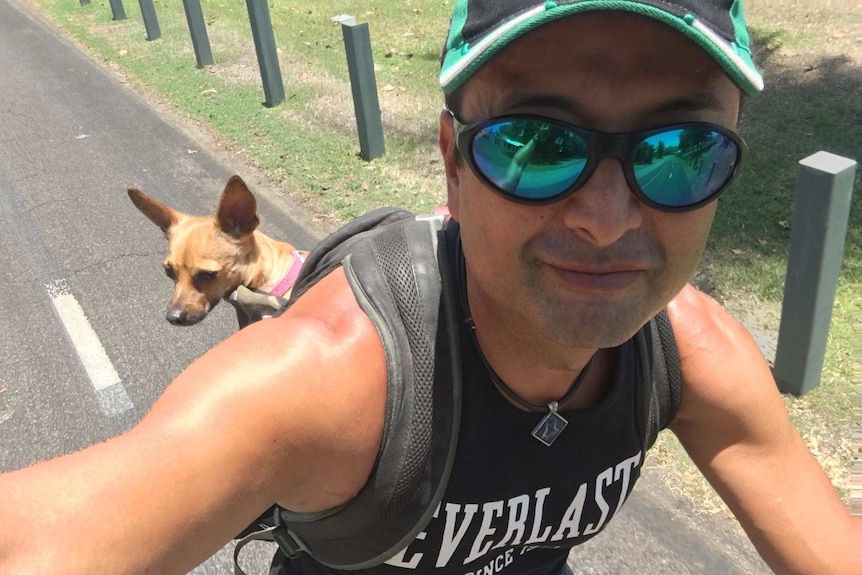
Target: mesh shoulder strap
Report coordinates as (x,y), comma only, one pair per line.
(660,362)
(399,271)
(330,252)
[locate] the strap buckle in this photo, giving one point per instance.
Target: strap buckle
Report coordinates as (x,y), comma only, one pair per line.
(288,542)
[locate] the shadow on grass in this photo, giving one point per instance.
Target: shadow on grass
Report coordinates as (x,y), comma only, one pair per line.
(809,104)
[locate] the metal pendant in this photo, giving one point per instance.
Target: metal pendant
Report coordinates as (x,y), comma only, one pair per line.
(551,426)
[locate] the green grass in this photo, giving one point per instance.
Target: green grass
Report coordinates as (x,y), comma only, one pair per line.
(307,146)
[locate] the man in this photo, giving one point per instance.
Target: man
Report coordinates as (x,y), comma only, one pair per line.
(561,268)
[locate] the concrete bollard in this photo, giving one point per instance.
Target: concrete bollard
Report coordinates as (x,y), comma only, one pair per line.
(267,54)
(118,12)
(198,32)
(820,215)
(363,84)
(151,22)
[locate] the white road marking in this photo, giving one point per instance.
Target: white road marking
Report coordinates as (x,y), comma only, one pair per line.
(110,392)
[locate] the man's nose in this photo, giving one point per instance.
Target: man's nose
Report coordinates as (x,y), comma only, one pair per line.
(604,208)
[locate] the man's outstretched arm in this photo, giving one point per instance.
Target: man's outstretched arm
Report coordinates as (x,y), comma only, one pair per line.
(734,425)
(288,410)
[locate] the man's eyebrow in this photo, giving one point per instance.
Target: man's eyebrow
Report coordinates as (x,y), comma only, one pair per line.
(544,101)
(695,102)
(691,103)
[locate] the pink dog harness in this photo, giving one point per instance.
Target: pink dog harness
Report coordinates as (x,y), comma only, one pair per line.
(290,277)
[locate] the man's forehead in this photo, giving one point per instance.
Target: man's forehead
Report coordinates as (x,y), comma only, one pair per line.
(618,60)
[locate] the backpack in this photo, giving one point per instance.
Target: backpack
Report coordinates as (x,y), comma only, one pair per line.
(399,268)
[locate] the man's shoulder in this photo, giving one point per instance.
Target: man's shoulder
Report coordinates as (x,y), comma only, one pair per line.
(699,320)
(318,365)
(721,366)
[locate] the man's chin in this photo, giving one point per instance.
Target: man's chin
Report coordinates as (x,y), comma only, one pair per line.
(595,325)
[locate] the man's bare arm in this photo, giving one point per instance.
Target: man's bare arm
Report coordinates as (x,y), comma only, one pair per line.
(288,409)
(734,425)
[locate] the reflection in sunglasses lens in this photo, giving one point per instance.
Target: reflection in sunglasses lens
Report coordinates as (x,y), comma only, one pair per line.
(530,158)
(538,160)
(684,167)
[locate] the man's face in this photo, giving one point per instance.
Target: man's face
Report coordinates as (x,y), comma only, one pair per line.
(589,270)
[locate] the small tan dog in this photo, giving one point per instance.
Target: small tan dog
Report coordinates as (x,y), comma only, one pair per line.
(210,257)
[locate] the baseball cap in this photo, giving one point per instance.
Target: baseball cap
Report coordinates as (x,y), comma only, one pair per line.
(481,28)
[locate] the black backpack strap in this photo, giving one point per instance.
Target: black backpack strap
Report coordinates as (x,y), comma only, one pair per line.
(398,268)
(400,275)
(330,252)
(669,395)
(659,359)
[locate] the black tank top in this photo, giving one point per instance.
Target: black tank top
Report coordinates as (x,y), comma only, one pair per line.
(512,504)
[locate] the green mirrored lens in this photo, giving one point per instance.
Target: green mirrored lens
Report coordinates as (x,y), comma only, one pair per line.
(530,158)
(684,167)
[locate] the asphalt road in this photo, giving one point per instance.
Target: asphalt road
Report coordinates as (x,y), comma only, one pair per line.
(84,346)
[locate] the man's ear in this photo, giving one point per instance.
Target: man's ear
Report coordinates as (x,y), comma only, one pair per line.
(451,162)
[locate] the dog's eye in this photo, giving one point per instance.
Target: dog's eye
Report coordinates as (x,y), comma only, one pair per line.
(205,276)
(169,271)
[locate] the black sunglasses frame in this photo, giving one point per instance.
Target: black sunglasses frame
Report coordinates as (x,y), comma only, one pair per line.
(600,145)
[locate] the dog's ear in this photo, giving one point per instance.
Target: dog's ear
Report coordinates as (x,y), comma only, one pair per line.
(157,212)
(237,209)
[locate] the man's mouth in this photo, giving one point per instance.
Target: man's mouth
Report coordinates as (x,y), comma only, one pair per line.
(600,279)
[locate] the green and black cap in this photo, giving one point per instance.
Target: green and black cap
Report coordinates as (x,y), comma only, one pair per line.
(481,28)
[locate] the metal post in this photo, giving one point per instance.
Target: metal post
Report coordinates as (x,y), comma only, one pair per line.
(363,84)
(820,215)
(267,55)
(198,32)
(117,10)
(151,23)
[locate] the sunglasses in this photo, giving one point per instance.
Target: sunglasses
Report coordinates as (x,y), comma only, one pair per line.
(536,160)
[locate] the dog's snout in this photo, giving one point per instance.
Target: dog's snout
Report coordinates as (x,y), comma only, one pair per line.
(177,316)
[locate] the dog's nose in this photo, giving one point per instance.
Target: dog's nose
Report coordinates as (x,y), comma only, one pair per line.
(179,317)
(176,317)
